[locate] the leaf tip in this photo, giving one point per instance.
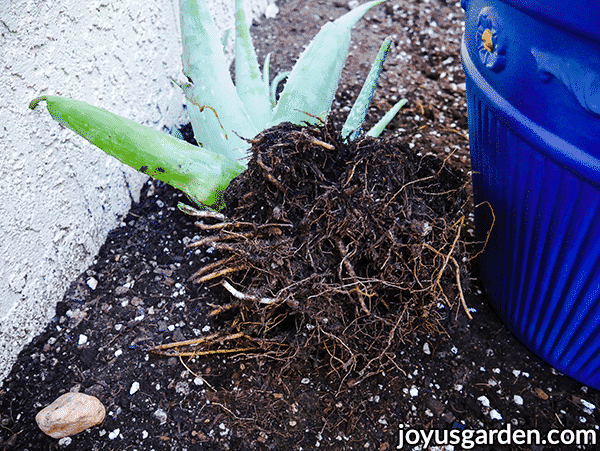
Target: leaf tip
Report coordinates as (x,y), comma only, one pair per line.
(35,101)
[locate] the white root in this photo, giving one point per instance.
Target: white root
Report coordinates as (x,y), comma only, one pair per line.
(243,296)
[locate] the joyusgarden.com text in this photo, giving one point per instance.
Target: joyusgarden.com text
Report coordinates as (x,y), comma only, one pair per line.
(469,438)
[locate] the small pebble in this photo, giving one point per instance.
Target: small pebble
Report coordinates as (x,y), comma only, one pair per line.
(70,414)
(541,394)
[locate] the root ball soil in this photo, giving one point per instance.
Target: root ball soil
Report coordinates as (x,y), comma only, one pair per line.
(331,245)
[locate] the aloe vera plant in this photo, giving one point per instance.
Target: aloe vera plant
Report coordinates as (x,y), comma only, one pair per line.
(225,116)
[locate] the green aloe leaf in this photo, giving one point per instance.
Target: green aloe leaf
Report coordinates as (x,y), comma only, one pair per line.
(201,174)
(224,39)
(386,119)
(248,80)
(353,125)
(216,111)
(313,82)
(220,146)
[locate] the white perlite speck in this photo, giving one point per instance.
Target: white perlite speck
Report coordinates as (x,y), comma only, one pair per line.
(588,404)
(82,339)
(114,434)
(483,400)
(160,415)
(92,283)
(414,391)
(426,349)
(134,388)
(518,400)
(64,442)
(495,415)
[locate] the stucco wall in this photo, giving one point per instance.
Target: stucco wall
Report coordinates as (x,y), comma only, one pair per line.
(60,196)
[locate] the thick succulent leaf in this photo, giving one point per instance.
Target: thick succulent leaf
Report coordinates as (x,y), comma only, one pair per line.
(216,111)
(248,80)
(211,121)
(353,125)
(386,119)
(312,84)
(266,76)
(201,174)
(224,39)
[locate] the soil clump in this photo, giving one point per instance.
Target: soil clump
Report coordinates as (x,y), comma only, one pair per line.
(330,245)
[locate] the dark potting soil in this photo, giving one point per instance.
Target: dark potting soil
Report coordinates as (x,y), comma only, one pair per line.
(472,375)
(461,374)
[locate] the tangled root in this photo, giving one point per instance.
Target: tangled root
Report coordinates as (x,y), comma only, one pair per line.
(337,252)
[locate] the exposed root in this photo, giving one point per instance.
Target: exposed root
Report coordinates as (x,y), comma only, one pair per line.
(217,274)
(352,274)
(244,297)
(198,346)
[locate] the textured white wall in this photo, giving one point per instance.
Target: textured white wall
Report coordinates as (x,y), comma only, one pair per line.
(59,195)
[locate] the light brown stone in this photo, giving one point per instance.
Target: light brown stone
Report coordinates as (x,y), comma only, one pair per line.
(70,414)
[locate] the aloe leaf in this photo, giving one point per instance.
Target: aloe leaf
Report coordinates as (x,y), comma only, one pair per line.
(175,133)
(266,70)
(248,80)
(353,125)
(216,111)
(386,119)
(212,121)
(224,39)
(312,85)
(201,174)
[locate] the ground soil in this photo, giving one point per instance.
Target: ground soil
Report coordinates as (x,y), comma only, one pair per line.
(474,374)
